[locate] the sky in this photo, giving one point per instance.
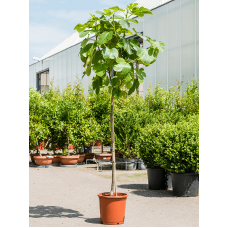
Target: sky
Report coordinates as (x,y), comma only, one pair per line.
(53,21)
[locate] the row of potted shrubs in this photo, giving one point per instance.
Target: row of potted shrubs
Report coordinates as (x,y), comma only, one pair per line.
(162,129)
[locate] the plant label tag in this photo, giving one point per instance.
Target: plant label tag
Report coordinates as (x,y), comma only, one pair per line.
(104,157)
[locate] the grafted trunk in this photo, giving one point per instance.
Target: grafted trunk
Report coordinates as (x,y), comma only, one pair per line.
(113,186)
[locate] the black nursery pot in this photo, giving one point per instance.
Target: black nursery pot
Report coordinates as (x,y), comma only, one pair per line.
(158,179)
(185,184)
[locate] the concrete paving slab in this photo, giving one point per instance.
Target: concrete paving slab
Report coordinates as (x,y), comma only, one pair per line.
(67,197)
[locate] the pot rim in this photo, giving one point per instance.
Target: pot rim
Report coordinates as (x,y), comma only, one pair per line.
(185,173)
(104,155)
(69,157)
(123,195)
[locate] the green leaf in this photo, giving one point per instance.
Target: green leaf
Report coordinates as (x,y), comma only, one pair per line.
(115,81)
(84,42)
(125,24)
(132,89)
(83,33)
(97,67)
(134,43)
(86,49)
(127,46)
(122,67)
(140,74)
(113,53)
(132,20)
(129,85)
(100,73)
(144,56)
(104,37)
(107,12)
(118,17)
(115,8)
(120,60)
(99,12)
(106,53)
(79,27)
(97,56)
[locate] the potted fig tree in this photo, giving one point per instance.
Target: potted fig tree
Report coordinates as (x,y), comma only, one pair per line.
(111,56)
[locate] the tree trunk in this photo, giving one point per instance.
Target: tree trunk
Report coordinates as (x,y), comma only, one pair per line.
(38,148)
(113,186)
(68,145)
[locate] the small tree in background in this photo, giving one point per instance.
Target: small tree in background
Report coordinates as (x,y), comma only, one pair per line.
(100,108)
(110,55)
(38,129)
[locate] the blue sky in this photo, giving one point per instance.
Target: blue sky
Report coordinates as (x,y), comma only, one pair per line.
(52,21)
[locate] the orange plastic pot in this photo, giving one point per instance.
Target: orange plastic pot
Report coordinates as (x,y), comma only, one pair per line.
(69,160)
(44,160)
(105,157)
(56,159)
(112,208)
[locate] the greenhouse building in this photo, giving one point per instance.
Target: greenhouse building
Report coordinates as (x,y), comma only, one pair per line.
(174,22)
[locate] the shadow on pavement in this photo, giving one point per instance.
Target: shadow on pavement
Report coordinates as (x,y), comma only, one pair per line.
(134,186)
(52,212)
(93,220)
(142,190)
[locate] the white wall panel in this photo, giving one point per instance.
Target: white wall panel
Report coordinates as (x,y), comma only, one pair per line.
(149,30)
(187,40)
(74,54)
(174,43)
(68,66)
(64,68)
(161,35)
(51,68)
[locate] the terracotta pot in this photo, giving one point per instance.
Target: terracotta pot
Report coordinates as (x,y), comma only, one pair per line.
(32,156)
(44,160)
(81,158)
(112,208)
(56,159)
(69,160)
(104,157)
(89,155)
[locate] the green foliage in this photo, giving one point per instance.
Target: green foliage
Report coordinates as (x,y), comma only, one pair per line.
(110,55)
(100,109)
(38,129)
(130,116)
(174,147)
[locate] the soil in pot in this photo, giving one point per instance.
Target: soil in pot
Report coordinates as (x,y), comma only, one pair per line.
(44,160)
(103,157)
(158,179)
(112,208)
(185,184)
(69,160)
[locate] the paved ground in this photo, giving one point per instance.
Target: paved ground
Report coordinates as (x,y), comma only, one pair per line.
(67,197)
